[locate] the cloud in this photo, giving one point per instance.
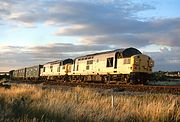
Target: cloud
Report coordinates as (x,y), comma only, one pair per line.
(69,11)
(94,22)
(157,34)
(117,40)
(168,38)
(166,59)
(18,57)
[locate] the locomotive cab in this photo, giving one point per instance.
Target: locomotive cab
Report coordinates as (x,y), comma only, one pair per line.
(142,63)
(141,66)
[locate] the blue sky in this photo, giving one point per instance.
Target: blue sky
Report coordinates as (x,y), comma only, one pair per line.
(38,31)
(162,9)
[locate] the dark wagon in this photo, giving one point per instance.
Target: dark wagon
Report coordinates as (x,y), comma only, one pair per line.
(20,73)
(11,74)
(33,72)
(14,74)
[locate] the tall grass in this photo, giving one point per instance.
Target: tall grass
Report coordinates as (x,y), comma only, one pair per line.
(30,103)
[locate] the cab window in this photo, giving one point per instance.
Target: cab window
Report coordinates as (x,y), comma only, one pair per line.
(109,62)
(51,67)
(77,68)
(127,61)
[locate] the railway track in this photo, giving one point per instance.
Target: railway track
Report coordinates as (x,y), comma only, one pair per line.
(116,87)
(119,87)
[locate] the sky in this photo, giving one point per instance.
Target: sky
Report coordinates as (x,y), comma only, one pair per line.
(38,31)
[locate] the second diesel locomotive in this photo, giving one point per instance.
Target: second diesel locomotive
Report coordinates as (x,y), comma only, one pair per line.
(122,66)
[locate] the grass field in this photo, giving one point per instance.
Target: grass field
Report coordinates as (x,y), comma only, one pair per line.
(30,103)
(166,83)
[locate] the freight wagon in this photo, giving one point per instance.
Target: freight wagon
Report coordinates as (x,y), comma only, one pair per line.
(33,72)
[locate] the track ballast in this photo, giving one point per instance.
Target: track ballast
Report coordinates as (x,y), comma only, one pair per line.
(122,87)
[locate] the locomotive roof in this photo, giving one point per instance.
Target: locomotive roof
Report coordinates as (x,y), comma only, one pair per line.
(126,52)
(54,62)
(34,66)
(61,61)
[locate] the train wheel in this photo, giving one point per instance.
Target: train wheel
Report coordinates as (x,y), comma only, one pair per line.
(106,80)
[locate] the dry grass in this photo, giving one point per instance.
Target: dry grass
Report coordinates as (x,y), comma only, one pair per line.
(30,103)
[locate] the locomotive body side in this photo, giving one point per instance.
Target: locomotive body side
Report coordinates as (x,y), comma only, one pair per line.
(47,70)
(93,65)
(56,69)
(124,66)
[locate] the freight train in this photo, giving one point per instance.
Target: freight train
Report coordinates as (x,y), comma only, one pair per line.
(127,65)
